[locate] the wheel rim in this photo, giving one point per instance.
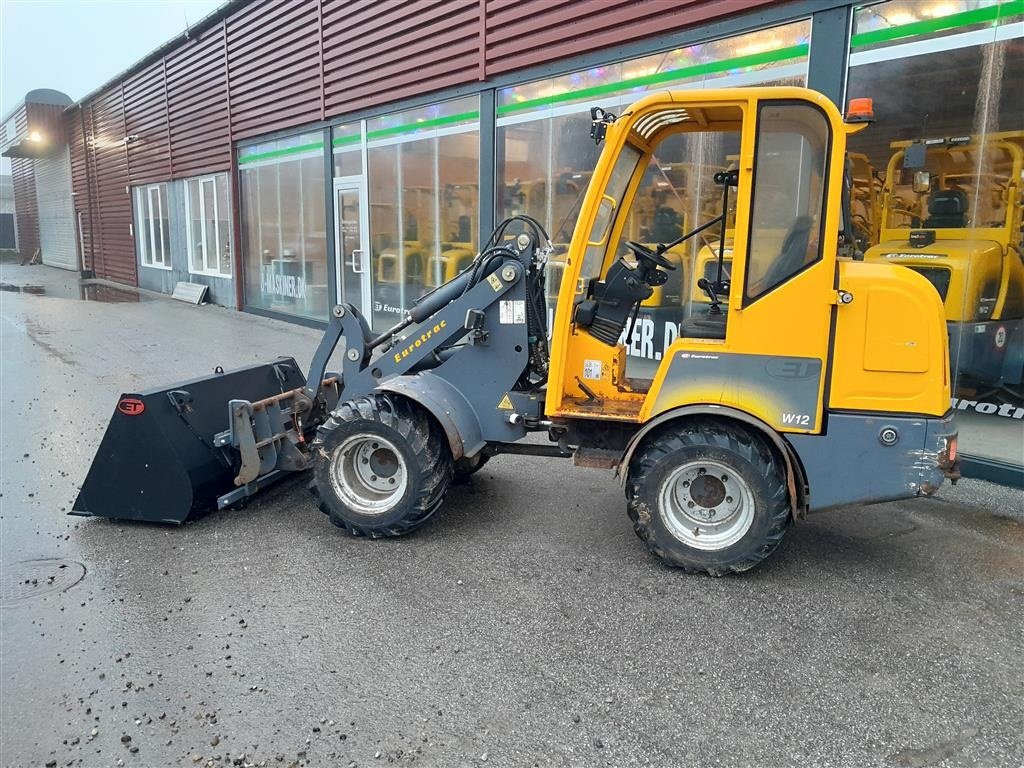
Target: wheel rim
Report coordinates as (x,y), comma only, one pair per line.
(369,474)
(706,505)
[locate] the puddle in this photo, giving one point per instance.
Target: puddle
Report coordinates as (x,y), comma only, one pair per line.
(34,579)
(107,294)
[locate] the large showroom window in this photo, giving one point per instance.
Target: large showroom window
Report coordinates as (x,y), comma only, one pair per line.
(281,188)
(545,157)
(423,178)
(944,160)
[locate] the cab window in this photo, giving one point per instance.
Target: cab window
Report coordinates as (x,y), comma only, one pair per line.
(790,172)
(611,202)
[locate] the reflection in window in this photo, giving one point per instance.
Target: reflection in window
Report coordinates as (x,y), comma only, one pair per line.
(789,186)
(281,186)
(423,180)
(544,152)
(207,217)
(153,235)
(944,155)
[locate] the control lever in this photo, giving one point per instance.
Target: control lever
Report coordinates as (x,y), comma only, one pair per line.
(714,291)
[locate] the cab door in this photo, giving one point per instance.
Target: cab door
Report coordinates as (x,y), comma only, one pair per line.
(772,360)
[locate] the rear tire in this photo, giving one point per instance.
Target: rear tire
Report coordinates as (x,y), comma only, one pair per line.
(708,497)
(382,468)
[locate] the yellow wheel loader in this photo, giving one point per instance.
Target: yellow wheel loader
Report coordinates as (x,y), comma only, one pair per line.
(951,211)
(807,381)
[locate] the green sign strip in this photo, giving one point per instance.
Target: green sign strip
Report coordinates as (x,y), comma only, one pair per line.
(712,67)
(395,130)
(280,152)
(991,13)
(344,141)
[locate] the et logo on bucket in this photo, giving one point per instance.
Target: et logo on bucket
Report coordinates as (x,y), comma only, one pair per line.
(1000,337)
(131,406)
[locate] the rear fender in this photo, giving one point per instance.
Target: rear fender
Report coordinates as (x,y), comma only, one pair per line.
(446,404)
(795,480)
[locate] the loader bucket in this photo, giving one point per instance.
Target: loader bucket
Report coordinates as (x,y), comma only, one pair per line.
(157,461)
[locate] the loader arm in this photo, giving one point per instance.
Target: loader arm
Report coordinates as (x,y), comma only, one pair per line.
(464,348)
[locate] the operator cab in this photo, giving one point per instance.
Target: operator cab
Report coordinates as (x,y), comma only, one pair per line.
(682,286)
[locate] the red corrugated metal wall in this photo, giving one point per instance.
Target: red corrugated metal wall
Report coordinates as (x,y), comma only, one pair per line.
(274,74)
(197,106)
(109,180)
(26,209)
(376,52)
(145,117)
(74,120)
(271,65)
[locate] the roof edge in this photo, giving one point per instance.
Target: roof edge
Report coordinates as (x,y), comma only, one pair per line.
(199,27)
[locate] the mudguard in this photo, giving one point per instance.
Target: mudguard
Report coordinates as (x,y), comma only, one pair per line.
(451,409)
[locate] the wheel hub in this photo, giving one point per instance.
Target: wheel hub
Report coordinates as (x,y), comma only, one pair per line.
(706,505)
(369,474)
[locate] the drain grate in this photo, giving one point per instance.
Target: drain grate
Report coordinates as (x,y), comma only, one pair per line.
(30,580)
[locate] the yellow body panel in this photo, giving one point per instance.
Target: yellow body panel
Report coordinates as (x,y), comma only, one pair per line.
(891,343)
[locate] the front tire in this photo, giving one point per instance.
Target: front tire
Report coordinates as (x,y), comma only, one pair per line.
(383,467)
(708,496)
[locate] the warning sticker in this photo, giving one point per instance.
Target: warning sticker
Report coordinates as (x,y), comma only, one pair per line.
(592,369)
(512,312)
(505,404)
(495,282)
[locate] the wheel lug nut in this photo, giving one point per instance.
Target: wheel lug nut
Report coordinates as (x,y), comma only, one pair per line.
(690,504)
(729,499)
(373,477)
(686,483)
(702,471)
(725,478)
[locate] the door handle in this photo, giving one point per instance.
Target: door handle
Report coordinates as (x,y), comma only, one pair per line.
(357,269)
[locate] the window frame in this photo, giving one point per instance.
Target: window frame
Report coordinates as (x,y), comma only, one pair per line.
(747,299)
(147,243)
(190,240)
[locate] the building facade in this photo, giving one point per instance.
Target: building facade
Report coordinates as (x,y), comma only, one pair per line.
(292,154)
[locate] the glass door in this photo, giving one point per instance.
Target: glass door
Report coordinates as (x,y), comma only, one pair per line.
(351,246)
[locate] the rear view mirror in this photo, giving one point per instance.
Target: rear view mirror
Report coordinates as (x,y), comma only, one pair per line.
(922,181)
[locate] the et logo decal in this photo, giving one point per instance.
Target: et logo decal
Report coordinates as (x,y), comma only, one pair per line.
(1000,337)
(131,406)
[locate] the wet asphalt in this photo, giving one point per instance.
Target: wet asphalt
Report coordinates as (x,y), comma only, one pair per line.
(524,625)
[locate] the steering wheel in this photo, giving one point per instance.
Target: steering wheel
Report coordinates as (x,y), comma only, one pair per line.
(643,252)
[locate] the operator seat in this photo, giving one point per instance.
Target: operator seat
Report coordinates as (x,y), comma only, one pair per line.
(705,325)
(947,209)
